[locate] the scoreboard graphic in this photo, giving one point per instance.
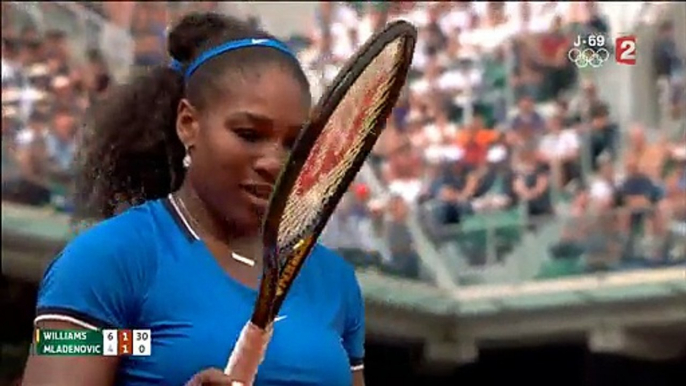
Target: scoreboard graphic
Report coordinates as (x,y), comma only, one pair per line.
(98,343)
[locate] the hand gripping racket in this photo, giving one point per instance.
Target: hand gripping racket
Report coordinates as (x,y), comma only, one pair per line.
(330,150)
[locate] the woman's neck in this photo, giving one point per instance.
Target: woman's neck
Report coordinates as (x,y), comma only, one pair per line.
(213,228)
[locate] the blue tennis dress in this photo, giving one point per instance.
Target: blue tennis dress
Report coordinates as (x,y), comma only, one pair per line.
(146,269)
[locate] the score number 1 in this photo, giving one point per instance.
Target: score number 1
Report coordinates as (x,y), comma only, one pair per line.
(126,342)
(625,50)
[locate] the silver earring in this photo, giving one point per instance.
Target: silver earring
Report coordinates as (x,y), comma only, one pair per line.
(186,160)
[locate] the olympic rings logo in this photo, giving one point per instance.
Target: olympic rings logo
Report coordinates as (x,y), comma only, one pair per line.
(588,57)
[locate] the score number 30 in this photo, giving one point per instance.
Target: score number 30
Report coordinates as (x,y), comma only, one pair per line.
(625,51)
(128,342)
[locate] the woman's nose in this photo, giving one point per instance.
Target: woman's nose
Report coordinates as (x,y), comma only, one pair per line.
(270,163)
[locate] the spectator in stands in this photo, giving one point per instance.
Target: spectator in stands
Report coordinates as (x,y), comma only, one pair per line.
(61,140)
(675,210)
(57,46)
(27,182)
(669,66)
(9,172)
(29,33)
(585,102)
(603,135)
(576,230)
(559,72)
(404,258)
(435,39)
(350,230)
(453,189)
(494,191)
(495,77)
(597,22)
(440,134)
(403,172)
(65,94)
(474,140)
(562,110)
(641,218)
(11,61)
(527,125)
(373,19)
(149,31)
(531,182)
(97,80)
(652,156)
(603,186)
(560,148)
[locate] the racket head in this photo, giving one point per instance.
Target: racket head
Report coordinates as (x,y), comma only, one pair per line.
(284,256)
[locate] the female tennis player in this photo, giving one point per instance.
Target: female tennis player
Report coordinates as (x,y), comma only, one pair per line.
(195,149)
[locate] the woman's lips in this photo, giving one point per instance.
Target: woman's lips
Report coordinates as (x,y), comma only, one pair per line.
(258,193)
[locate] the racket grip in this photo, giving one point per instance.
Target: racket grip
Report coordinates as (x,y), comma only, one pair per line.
(248,354)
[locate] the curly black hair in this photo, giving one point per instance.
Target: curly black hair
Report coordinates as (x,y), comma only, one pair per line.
(129,151)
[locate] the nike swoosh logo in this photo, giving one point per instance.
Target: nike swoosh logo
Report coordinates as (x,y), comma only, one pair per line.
(258,41)
(280,318)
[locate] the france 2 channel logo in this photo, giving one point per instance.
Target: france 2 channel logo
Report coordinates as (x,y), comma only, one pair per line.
(625,50)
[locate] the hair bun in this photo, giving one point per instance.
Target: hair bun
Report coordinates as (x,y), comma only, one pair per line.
(192,32)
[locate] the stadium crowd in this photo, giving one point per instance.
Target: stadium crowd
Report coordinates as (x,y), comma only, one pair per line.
(454,151)
(496,122)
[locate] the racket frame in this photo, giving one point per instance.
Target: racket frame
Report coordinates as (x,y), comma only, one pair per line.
(276,281)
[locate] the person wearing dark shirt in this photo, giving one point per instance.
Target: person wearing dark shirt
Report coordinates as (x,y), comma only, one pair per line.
(603,134)
(639,197)
(454,187)
(597,22)
(669,66)
(665,53)
(638,193)
(405,260)
(559,72)
(531,183)
(527,116)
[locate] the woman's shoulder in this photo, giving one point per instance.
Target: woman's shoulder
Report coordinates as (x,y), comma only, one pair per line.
(130,230)
(331,260)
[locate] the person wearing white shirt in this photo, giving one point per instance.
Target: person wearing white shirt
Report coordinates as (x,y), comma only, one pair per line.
(457,18)
(459,80)
(343,26)
(526,19)
(560,148)
(603,186)
(429,81)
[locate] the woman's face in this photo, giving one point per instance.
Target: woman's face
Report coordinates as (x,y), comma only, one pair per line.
(240,141)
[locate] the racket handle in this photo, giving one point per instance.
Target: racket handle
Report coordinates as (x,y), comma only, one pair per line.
(248,354)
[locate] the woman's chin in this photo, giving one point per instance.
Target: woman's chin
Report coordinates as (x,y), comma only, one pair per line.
(247,223)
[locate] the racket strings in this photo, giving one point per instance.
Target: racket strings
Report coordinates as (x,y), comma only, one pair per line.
(339,144)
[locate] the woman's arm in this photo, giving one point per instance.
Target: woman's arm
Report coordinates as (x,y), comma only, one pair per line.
(69,370)
(358,378)
(96,282)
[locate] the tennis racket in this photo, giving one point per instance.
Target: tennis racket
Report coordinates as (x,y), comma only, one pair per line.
(330,150)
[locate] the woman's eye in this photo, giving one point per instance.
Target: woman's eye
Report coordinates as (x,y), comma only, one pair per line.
(248,135)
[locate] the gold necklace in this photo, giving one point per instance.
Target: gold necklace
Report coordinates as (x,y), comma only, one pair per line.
(242,259)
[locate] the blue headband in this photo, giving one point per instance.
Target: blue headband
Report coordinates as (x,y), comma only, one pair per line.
(228,46)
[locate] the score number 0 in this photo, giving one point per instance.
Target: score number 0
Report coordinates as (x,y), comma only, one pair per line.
(141,342)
